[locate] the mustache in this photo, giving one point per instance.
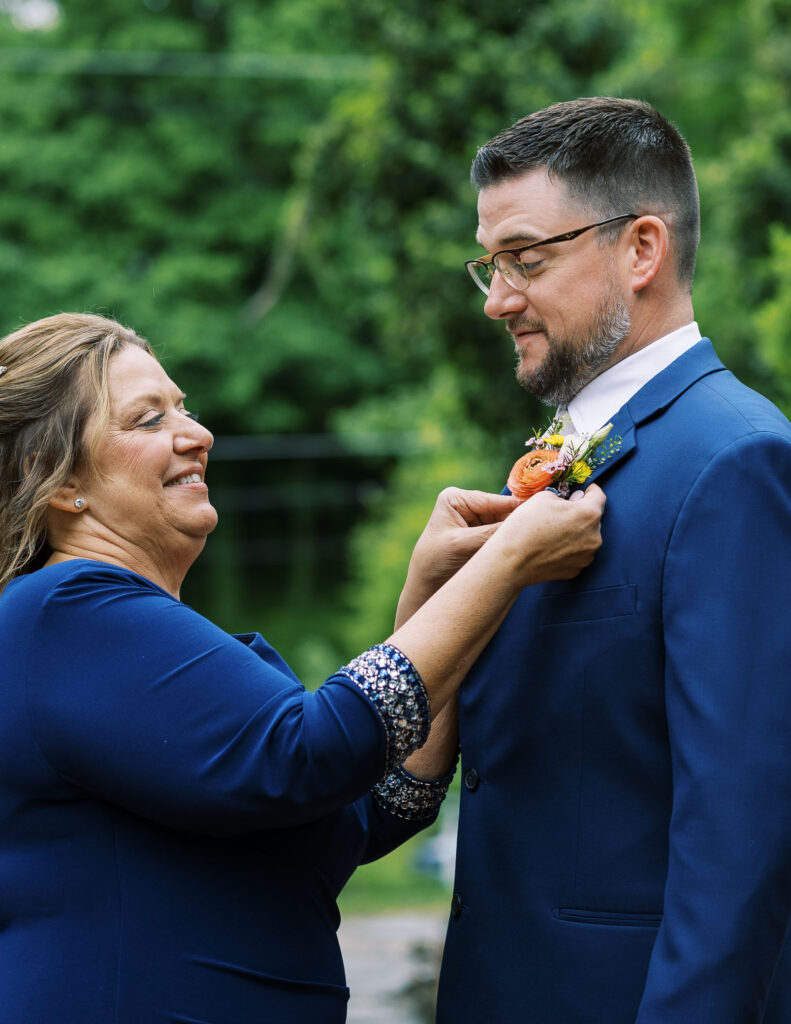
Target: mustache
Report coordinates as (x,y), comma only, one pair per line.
(524,323)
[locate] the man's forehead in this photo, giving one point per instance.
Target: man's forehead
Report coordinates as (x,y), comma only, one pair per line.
(523,209)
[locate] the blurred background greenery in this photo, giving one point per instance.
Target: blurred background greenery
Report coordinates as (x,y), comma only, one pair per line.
(275,193)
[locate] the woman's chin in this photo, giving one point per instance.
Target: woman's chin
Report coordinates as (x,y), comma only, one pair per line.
(202,523)
(210,520)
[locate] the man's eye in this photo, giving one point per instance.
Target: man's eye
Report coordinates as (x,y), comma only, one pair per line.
(530,267)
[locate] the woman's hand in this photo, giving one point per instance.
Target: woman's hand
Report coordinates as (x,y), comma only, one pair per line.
(544,538)
(548,538)
(462,521)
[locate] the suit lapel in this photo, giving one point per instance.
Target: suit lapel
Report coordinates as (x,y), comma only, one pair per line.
(655,396)
(623,428)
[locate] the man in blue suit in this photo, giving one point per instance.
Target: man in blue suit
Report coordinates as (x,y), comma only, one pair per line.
(625,833)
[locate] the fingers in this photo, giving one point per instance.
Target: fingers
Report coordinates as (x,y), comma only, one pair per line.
(589,509)
(475,508)
(592,494)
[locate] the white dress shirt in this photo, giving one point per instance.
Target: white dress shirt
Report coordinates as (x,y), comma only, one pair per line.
(599,401)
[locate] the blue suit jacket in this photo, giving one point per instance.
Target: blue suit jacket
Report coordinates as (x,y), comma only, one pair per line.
(625,834)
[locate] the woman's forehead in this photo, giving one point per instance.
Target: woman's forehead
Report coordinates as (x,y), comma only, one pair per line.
(134,373)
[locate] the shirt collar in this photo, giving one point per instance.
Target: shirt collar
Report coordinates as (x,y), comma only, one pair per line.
(599,400)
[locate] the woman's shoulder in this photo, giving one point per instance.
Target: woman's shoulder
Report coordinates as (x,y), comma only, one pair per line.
(77,575)
(78,595)
(65,592)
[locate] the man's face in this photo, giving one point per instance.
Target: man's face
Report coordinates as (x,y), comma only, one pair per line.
(570,322)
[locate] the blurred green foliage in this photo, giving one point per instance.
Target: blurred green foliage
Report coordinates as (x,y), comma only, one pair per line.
(289,231)
(277,195)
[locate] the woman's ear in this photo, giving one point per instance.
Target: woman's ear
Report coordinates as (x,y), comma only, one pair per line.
(648,245)
(68,497)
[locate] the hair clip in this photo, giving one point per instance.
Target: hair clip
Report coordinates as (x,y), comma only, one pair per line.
(3,370)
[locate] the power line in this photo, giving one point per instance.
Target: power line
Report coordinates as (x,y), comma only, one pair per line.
(178,64)
(266,447)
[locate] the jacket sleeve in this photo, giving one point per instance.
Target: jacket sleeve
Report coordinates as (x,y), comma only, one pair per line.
(726,599)
(137,699)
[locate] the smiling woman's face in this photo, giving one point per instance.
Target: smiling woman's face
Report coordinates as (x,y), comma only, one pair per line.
(146,488)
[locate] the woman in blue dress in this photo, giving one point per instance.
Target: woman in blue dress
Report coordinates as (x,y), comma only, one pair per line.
(177,813)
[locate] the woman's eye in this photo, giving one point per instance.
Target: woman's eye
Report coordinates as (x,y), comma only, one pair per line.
(154,421)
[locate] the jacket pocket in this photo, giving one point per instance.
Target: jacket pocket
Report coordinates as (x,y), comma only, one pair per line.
(618,919)
(587,605)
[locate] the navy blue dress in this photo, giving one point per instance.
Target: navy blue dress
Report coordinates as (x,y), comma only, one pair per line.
(178,814)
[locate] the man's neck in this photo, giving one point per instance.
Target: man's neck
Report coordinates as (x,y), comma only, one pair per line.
(600,399)
(657,324)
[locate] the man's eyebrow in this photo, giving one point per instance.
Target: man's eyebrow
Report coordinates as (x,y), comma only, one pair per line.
(525,237)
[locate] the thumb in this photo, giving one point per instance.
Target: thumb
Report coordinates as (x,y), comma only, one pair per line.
(593,494)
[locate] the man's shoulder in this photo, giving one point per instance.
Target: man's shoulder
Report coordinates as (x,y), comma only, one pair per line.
(720,405)
(701,416)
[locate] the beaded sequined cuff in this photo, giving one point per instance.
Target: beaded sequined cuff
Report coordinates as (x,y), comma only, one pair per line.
(401,794)
(392,684)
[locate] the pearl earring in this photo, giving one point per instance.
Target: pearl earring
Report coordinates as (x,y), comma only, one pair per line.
(79,502)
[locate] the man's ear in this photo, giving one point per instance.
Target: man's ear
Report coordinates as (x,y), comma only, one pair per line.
(648,248)
(68,497)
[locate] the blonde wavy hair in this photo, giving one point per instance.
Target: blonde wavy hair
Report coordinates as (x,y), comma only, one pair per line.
(54,379)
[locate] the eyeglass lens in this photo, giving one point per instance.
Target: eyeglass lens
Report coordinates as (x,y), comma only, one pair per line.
(509,267)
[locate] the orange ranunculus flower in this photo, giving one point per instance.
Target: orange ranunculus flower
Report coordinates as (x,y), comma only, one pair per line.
(532,473)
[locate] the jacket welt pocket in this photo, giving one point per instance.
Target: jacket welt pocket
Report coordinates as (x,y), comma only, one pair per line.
(588,605)
(622,919)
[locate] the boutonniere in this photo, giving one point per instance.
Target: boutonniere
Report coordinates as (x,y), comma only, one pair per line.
(562,461)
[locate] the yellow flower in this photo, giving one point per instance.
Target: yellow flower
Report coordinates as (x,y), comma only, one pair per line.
(556,440)
(579,472)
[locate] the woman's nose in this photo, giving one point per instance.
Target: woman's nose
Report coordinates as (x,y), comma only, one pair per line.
(193,436)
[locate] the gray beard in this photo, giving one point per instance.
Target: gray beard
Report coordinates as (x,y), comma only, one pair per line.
(574,360)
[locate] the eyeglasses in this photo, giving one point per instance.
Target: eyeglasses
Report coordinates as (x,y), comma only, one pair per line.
(511,266)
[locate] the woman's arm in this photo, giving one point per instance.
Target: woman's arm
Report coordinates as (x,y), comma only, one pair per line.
(453,603)
(546,538)
(461,522)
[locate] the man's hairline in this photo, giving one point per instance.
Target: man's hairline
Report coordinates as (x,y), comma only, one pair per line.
(584,208)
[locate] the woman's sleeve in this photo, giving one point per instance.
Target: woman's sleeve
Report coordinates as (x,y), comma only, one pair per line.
(400,806)
(139,700)
(396,809)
